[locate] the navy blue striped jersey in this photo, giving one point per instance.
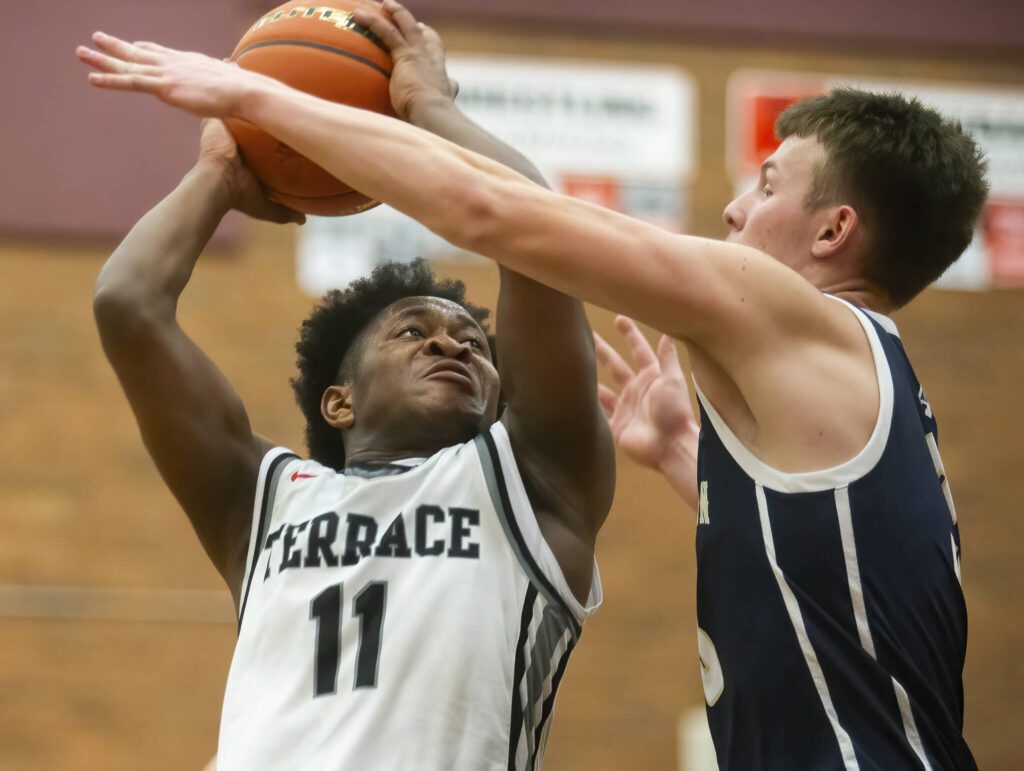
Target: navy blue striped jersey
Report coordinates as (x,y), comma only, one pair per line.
(832,626)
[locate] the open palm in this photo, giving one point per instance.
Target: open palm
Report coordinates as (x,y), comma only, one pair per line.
(652,412)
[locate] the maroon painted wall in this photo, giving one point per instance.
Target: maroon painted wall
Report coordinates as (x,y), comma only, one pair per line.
(80,162)
(928,24)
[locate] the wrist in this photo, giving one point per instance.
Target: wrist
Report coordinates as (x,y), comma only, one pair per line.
(215,174)
(679,462)
(428,107)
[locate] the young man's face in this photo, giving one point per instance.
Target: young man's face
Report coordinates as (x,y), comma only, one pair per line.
(425,375)
(773,216)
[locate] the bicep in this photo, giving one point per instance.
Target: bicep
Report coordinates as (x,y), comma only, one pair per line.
(192,423)
(727,298)
(548,375)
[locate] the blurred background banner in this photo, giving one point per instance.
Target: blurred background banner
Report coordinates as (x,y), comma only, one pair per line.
(993,115)
(621,136)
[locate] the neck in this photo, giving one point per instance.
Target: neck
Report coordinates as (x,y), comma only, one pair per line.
(384,456)
(861,293)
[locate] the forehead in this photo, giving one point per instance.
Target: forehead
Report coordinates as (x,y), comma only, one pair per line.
(436,309)
(797,156)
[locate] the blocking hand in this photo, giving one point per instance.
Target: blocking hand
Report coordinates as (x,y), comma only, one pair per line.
(201,85)
(652,413)
(417,54)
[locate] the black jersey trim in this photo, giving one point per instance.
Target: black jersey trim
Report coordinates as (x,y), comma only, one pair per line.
(508,516)
(266,505)
(320,47)
(549,703)
(515,727)
(369,470)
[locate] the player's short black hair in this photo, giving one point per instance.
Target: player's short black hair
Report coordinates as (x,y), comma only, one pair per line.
(916,180)
(333,330)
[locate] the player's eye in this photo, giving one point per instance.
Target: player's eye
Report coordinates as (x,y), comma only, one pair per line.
(475,343)
(410,332)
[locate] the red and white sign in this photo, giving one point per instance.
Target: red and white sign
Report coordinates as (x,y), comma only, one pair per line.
(993,115)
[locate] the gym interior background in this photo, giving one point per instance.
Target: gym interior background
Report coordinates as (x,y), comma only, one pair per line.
(115,632)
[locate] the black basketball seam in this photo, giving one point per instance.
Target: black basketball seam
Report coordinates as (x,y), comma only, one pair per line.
(316,197)
(320,46)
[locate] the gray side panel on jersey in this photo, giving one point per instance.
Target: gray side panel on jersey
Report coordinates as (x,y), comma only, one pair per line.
(499,497)
(261,520)
(552,642)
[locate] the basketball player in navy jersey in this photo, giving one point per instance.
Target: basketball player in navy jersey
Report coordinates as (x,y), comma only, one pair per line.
(409,596)
(832,624)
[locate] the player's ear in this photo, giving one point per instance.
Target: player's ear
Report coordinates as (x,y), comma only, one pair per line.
(336,406)
(837,231)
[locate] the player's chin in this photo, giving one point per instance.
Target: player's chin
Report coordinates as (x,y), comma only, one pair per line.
(455,414)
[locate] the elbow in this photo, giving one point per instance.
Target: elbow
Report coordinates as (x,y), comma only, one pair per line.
(123,315)
(475,216)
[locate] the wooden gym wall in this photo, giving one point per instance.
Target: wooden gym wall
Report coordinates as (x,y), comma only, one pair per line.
(137,681)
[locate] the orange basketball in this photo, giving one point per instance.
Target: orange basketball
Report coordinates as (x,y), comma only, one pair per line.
(320,50)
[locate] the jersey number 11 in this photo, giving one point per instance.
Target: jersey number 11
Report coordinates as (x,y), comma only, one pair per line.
(325,609)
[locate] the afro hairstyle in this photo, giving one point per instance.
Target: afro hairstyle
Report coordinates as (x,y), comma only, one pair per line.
(334,328)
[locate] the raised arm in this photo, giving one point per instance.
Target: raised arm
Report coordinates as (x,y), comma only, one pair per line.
(546,351)
(192,422)
(731,300)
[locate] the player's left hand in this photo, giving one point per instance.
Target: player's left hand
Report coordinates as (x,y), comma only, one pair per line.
(417,53)
(651,417)
(217,148)
(199,84)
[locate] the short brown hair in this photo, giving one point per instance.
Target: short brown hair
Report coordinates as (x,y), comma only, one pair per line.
(916,180)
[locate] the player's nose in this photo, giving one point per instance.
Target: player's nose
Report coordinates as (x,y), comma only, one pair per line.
(443,344)
(733,215)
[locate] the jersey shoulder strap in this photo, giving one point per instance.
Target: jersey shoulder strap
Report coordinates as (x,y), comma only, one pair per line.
(519,521)
(271,470)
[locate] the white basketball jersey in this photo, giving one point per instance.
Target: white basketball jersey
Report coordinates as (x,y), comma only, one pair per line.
(405,616)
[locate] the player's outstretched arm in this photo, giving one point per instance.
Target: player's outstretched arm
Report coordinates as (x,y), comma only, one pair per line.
(192,422)
(546,351)
(736,303)
(651,417)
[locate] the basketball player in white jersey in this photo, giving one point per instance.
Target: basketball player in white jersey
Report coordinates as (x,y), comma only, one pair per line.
(408,596)
(832,623)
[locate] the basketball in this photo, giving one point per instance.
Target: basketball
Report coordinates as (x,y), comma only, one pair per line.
(321,51)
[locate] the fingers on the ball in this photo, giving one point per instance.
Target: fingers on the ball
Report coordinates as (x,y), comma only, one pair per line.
(404,19)
(380,26)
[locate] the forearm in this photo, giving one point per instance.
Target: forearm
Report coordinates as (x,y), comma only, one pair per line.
(689,287)
(441,117)
(427,177)
(679,467)
(154,262)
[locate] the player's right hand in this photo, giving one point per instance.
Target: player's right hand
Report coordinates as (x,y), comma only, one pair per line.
(193,82)
(418,58)
(651,416)
(218,147)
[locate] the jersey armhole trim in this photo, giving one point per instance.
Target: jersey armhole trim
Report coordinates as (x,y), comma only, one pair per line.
(524,532)
(263,503)
(822,479)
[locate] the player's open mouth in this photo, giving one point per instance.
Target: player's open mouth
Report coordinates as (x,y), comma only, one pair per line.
(451,371)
